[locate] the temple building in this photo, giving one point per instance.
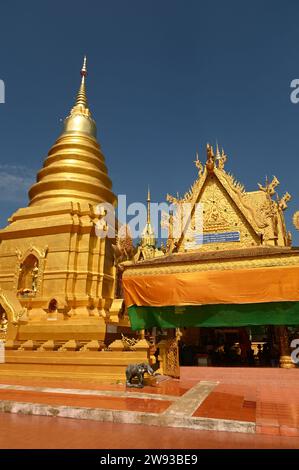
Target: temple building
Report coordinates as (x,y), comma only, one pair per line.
(57,277)
(223,279)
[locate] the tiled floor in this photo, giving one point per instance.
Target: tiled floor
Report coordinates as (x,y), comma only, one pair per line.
(268,397)
(39,432)
(278,408)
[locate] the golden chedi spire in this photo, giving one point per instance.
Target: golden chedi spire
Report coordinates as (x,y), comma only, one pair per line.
(74,170)
(81,97)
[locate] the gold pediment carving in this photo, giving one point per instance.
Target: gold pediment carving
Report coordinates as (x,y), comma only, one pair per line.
(215,210)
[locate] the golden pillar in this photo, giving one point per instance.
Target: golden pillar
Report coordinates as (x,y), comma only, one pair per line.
(285,360)
(141,334)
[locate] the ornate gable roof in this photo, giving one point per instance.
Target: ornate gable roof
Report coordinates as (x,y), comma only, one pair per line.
(256,208)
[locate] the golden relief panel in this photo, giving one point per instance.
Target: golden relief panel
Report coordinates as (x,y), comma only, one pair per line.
(272,213)
(169,357)
(220,215)
(215,209)
(172,366)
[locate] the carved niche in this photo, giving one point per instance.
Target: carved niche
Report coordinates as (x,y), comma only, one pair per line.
(29,271)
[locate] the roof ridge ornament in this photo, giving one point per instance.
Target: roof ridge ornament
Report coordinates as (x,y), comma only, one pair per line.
(269,188)
(210,164)
(198,164)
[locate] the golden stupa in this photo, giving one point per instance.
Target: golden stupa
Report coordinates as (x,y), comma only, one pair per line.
(52,263)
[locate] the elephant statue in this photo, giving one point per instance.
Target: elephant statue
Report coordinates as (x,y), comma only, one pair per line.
(137,370)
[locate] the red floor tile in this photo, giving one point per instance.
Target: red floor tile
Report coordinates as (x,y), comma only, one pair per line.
(225,406)
(289,431)
(268,430)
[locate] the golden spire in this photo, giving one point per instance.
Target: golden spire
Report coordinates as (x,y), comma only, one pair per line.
(148,206)
(148,235)
(81,96)
(75,169)
(80,119)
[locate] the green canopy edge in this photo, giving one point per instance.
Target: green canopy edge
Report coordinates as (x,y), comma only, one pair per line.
(221,315)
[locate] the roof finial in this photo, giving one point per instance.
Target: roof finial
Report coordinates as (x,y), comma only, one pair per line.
(210,151)
(198,164)
(81,96)
(84,68)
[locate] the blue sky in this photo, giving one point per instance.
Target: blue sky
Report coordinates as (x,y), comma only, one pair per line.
(165,77)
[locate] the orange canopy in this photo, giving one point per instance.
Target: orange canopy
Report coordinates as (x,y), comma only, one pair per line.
(255,285)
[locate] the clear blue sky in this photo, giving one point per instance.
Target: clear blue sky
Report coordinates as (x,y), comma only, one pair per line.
(164,78)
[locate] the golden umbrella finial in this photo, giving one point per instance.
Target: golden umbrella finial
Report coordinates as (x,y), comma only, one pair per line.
(84,67)
(81,96)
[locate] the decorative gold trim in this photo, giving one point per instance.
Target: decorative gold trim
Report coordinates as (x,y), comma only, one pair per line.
(215,266)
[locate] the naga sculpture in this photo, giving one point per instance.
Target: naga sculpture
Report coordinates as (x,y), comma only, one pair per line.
(137,370)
